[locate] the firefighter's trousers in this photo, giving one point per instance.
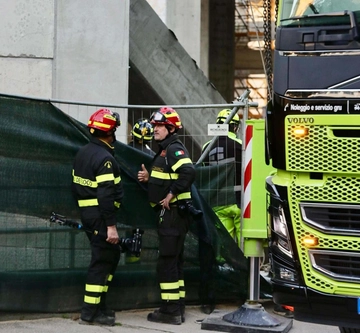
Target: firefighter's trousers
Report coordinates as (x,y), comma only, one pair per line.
(172,229)
(104,260)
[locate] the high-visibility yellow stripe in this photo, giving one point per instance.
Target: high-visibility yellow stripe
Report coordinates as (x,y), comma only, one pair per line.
(106,288)
(117,180)
(182,294)
(170,297)
(145,137)
(181,162)
(94,202)
(185,195)
(94,288)
(181,283)
(105,178)
(169,285)
(83,181)
(181,196)
(96,123)
(92,300)
(88,202)
(163,175)
(110,277)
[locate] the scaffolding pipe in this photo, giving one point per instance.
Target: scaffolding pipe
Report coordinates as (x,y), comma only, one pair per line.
(129,106)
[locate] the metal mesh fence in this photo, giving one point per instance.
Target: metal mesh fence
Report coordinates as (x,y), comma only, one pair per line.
(43,261)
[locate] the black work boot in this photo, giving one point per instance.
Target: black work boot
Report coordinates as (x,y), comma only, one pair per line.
(99,319)
(104,308)
(182,311)
(159,317)
(108,312)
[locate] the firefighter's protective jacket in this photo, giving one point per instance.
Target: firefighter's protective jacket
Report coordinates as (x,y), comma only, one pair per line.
(172,170)
(96,182)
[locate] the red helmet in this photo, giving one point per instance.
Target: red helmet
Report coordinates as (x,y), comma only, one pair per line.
(166,116)
(104,120)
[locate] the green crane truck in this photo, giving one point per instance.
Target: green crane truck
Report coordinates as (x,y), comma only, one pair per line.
(313,142)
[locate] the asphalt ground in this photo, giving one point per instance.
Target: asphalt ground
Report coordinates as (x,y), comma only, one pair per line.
(134,321)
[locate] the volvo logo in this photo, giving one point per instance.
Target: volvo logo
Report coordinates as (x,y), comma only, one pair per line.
(309,120)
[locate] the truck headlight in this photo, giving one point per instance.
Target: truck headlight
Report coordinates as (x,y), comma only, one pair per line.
(281,230)
(280,223)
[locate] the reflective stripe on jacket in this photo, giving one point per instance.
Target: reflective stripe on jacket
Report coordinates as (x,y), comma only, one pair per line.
(97,182)
(172,170)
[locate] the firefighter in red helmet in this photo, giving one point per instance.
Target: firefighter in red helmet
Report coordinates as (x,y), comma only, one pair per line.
(169,183)
(98,190)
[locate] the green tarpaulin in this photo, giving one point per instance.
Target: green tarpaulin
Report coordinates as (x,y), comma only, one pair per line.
(43,265)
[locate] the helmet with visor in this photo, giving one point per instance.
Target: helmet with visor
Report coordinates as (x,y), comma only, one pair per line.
(166,116)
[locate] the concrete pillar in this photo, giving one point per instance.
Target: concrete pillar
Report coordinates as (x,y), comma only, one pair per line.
(184,19)
(74,50)
(92,54)
(188,19)
(26,47)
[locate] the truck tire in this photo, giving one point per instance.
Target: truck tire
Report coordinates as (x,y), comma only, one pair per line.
(349,330)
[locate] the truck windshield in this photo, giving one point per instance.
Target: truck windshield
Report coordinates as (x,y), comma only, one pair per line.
(305,11)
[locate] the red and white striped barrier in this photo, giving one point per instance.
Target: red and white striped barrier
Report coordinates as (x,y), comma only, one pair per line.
(248,171)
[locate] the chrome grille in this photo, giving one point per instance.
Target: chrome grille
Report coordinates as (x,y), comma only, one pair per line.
(332,218)
(310,194)
(340,266)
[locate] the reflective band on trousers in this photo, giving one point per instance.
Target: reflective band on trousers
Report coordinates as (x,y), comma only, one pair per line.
(170,297)
(88,202)
(181,286)
(169,285)
(94,288)
(92,300)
